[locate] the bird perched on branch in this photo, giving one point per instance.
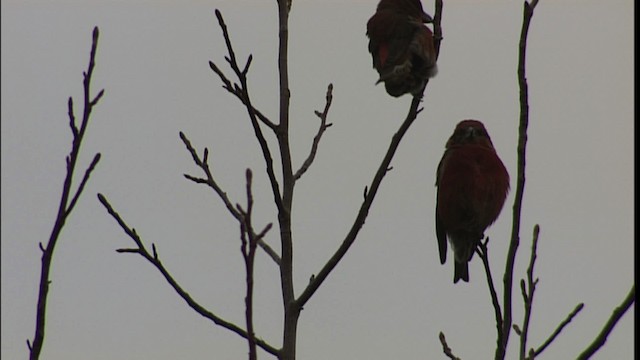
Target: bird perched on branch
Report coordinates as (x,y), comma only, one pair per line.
(472,185)
(402,46)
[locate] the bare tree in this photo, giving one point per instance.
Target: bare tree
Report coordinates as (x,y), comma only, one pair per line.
(282,188)
(66,206)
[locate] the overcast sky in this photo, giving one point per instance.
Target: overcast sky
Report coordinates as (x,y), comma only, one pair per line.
(389,297)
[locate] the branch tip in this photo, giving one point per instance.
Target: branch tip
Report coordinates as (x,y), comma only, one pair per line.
(97,98)
(246,67)
(516,328)
(128,250)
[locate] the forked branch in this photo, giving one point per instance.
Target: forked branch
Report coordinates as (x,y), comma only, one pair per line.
(241,92)
(154,259)
(203,163)
(249,243)
(65,207)
(316,140)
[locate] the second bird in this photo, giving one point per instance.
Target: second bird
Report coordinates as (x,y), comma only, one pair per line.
(402,46)
(472,187)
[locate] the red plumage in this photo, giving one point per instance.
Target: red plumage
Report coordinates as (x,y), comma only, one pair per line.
(472,186)
(402,46)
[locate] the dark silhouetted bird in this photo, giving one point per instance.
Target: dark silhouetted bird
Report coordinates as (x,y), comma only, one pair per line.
(472,186)
(402,46)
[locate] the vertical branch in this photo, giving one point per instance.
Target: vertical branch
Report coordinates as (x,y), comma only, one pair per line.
(483,252)
(291,312)
(437,26)
(249,257)
(65,207)
(528,292)
(517,205)
(153,258)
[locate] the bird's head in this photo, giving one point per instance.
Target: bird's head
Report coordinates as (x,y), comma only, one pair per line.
(412,8)
(470,132)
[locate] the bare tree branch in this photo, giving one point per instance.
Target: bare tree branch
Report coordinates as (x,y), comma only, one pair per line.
(248,253)
(243,92)
(517,204)
(235,90)
(483,252)
(316,140)
(437,26)
(65,207)
(446,349)
(154,259)
(371,191)
(528,292)
(618,312)
(72,118)
(364,208)
(291,312)
(85,178)
(564,323)
(210,181)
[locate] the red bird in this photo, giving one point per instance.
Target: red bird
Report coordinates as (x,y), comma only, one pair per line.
(472,186)
(401,46)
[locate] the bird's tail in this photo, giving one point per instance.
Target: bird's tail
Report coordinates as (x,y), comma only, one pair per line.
(461,271)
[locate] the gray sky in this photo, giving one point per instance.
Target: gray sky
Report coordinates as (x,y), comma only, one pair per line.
(390,296)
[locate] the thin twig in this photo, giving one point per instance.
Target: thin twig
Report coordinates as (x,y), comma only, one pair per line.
(238,93)
(85,178)
(564,323)
(243,92)
(528,292)
(446,349)
(483,252)
(617,314)
(65,207)
(210,181)
(154,259)
(364,208)
(248,253)
(316,140)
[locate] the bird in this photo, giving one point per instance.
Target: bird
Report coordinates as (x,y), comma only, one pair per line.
(472,185)
(401,46)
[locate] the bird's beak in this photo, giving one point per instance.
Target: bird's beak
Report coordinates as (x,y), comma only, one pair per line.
(471,133)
